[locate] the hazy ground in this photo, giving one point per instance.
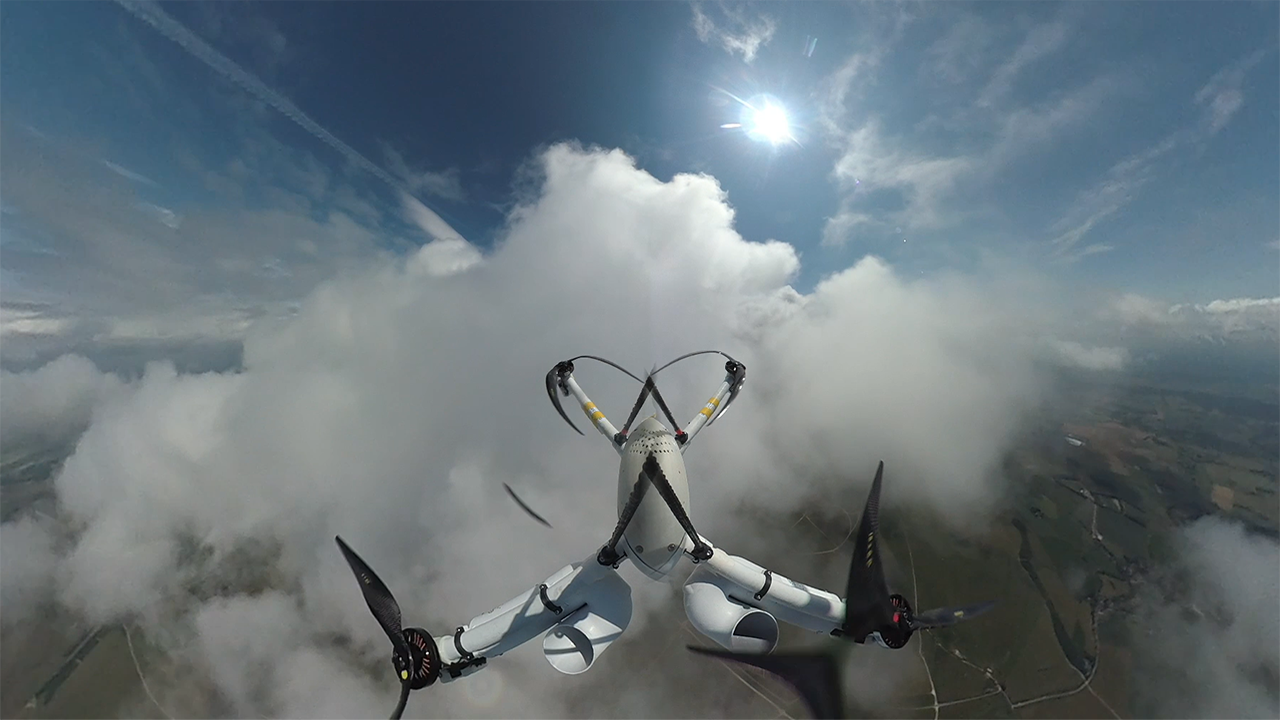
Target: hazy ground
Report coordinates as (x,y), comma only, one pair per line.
(1087,536)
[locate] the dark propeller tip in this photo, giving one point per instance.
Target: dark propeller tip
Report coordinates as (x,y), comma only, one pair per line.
(524,506)
(815,676)
(552,381)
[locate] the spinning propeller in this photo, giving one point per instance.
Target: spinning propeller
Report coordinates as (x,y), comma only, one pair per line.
(871,613)
(557,375)
(415,656)
(525,506)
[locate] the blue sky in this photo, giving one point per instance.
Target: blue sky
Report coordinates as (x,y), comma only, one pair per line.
(1126,147)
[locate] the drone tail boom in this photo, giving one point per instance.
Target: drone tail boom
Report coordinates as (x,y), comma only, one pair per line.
(582,608)
(733,625)
(792,602)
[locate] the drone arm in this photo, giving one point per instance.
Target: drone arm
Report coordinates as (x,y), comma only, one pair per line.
(792,602)
(736,375)
(700,420)
(523,617)
(593,413)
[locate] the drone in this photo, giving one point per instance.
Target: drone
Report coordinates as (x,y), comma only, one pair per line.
(584,607)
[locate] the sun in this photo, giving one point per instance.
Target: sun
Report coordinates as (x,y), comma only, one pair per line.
(764,119)
(770,123)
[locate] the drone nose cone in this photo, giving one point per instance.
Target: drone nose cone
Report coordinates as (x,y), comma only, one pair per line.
(650,424)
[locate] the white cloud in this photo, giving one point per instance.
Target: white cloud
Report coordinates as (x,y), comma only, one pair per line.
(737,33)
(441,258)
(27,565)
(1214,651)
(1041,42)
(1131,308)
(425,218)
(127,173)
(960,51)
(1222,96)
(1074,354)
(112,267)
(870,161)
(393,405)
(1125,179)
(1106,198)
(930,182)
(1242,317)
(166,25)
(55,402)
(446,184)
(1237,305)
(30,321)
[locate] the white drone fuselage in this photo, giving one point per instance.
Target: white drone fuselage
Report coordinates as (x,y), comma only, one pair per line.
(653,540)
(585,606)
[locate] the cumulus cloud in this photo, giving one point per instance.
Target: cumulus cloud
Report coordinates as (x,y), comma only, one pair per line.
(396,401)
(1214,649)
(53,403)
(1243,318)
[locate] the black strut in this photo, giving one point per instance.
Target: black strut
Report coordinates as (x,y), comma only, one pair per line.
(651,386)
(608,554)
(701,551)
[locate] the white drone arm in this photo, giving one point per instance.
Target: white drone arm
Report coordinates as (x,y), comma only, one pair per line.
(593,413)
(743,582)
(582,608)
(736,375)
(703,418)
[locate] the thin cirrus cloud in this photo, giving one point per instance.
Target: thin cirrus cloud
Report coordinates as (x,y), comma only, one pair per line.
(998,128)
(164,23)
(1220,98)
(735,30)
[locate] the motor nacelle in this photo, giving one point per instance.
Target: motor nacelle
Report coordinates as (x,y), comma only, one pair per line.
(573,645)
(712,609)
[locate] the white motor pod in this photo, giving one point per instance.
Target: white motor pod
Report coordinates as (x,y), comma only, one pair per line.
(731,624)
(573,644)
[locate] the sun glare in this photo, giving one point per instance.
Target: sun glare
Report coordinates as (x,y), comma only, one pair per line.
(770,122)
(763,119)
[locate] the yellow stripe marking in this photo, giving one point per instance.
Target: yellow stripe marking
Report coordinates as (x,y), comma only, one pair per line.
(715,401)
(595,416)
(705,411)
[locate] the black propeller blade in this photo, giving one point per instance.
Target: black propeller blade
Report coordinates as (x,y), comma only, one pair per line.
(561,369)
(739,372)
(384,606)
(737,369)
(815,676)
(553,380)
(945,617)
(416,659)
(524,506)
(869,608)
(867,605)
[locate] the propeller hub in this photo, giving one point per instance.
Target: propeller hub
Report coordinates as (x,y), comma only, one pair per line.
(422,667)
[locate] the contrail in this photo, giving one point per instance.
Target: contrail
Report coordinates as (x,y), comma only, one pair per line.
(151,14)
